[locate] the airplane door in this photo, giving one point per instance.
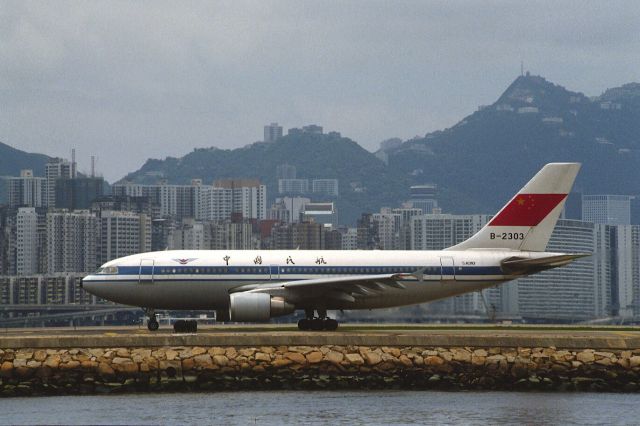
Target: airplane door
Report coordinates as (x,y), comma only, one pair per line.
(274,271)
(145,274)
(447,269)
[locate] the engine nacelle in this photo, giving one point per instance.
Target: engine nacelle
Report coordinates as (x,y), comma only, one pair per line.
(257,307)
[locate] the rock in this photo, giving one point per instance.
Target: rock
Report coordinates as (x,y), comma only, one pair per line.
(334,357)
(372,358)
(247,352)
(418,360)
(122,353)
(302,349)
(171,354)
(478,360)
(221,360)
(480,352)
(6,368)
(187,364)
(70,365)
(267,349)
(231,353)
(203,361)
(406,361)
(52,361)
(282,362)
(355,359)
(19,362)
(314,357)
(198,351)
(118,360)
(40,355)
(576,364)
(216,351)
(392,351)
(24,355)
(604,361)
(261,356)
(105,369)
(634,361)
(296,357)
(625,354)
(461,355)
(586,356)
(433,360)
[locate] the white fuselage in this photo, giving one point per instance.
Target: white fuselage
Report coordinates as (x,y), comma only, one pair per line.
(202,279)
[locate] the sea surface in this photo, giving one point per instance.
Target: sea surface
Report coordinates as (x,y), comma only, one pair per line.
(311,407)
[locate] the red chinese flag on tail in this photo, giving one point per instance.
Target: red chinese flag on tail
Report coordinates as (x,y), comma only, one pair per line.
(527,209)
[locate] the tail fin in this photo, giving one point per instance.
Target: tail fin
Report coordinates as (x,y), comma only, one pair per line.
(527,221)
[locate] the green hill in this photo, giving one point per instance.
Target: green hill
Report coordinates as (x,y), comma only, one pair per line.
(13,160)
(365,183)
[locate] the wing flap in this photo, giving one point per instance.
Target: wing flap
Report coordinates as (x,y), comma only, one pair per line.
(344,289)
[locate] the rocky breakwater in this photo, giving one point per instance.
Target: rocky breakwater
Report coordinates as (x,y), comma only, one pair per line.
(106,370)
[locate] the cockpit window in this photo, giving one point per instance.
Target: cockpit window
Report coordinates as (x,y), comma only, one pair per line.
(109,270)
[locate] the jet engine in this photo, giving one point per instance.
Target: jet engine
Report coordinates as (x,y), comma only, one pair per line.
(257,307)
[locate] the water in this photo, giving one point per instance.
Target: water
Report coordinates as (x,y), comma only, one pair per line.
(353,408)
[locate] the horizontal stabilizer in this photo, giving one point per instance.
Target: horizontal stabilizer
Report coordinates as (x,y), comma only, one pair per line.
(525,266)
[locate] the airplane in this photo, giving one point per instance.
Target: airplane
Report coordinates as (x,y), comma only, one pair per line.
(258,285)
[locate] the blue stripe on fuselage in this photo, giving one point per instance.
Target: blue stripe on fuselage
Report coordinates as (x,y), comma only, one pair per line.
(309,270)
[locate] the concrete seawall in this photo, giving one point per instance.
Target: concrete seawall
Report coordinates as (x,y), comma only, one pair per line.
(111,362)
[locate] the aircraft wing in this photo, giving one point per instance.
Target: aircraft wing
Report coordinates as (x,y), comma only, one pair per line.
(345,289)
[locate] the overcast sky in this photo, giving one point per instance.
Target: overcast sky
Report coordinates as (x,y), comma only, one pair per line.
(128,80)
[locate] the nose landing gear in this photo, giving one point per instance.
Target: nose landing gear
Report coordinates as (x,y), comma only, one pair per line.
(152,324)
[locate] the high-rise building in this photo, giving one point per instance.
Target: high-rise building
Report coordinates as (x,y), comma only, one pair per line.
(323,213)
(327,187)
(56,168)
(229,235)
(78,193)
(567,293)
(72,241)
(424,197)
(286,171)
(27,241)
(607,209)
(213,203)
(27,190)
(439,231)
(272,132)
(293,186)
(350,239)
(123,233)
(249,197)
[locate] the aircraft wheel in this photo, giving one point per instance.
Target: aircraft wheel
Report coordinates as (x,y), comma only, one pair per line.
(304,325)
(330,324)
(179,326)
(193,326)
(153,324)
(317,324)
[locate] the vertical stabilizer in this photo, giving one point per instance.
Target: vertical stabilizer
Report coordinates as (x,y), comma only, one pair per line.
(527,220)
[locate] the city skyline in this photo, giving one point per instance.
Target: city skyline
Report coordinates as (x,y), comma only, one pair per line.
(214,82)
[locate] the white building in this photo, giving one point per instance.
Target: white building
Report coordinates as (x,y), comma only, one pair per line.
(293,186)
(56,168)
(249,197)
(213,203)
(272,132)
(27,190)
(26,241)
(350,239)
(72,241)
(123,233)
(327,187)
(607,209)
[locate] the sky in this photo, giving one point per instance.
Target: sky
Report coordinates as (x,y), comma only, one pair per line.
(131,80)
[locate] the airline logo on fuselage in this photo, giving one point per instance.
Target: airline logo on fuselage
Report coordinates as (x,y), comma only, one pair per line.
(184,261)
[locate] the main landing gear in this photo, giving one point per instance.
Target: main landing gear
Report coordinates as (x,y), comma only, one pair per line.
(152,324)
(319,323)
(185,326)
